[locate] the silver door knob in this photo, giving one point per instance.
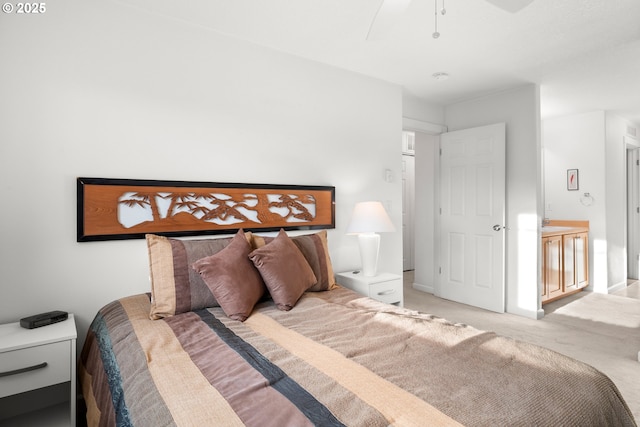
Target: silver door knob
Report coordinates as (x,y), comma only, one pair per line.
(497,227)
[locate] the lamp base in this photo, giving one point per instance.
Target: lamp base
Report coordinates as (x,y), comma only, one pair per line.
(369,248)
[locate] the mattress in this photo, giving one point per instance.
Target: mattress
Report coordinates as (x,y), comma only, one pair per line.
(335,359)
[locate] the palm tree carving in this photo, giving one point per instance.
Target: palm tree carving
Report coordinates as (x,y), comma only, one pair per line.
(181,202)
(144,200)
(223,210)
(209,207)
(295,206)
(265,216)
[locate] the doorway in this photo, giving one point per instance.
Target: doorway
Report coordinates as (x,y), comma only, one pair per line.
(633,211)
(426,200)
(421,143)
(408,200)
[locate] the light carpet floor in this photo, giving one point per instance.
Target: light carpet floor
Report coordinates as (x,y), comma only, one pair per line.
(601,330)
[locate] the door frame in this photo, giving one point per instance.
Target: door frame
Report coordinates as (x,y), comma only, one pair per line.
(632,148)
(427,282)
(408,210)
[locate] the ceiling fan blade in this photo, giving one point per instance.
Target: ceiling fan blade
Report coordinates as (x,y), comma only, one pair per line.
(387,15)
(512,6)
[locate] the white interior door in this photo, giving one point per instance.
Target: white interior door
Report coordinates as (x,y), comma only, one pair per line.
(472,219)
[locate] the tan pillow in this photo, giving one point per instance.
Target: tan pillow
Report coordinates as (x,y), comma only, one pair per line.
(232,278)
(315,249)
(284,270)
(175,286)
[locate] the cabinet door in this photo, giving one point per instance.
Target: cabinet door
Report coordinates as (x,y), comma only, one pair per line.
(552,267)
(582,259)
(569,249)
(576,261)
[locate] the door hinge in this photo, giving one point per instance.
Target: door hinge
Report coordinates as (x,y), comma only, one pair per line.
(439,270)
(637,162)
(441,151)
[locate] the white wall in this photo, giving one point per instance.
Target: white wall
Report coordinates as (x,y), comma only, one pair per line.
(520,110)
(419,109)
(578,142)
(593,143)
(100,89)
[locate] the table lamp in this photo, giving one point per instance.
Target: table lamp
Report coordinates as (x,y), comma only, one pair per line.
(368,219)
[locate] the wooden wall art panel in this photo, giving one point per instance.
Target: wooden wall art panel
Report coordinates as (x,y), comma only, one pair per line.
(115,209)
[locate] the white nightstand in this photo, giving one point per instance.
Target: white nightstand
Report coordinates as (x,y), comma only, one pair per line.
(385,287)
(34,358)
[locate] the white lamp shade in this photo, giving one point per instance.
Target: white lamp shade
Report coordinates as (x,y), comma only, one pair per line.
(369,217)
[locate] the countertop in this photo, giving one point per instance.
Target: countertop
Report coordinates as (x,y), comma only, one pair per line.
(560,227)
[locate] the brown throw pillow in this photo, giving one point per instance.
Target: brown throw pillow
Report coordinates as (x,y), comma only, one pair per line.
(284,270)
(232,278)
(175,286)
(315,249)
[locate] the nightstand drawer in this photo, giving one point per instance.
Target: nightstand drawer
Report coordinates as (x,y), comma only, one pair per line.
(389,292)
(24,369)
(384,287)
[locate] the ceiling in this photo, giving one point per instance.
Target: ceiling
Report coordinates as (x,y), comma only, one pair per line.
(585,54)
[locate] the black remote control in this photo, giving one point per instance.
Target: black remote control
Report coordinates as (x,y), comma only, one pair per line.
(43,319)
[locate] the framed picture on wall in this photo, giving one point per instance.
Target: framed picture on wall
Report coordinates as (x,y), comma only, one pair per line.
(572,179)
(116,209)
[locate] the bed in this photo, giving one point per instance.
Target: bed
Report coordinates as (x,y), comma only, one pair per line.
(330,358)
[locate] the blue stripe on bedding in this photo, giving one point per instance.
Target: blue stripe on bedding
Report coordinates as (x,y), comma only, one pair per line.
(315,411)
(101,331)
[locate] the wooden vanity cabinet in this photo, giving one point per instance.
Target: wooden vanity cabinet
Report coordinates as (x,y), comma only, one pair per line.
(565,259)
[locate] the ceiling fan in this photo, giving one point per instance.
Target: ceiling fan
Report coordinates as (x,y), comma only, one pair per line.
(390,10)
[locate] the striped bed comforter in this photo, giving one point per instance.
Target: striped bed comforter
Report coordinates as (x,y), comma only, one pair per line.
(335,359)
